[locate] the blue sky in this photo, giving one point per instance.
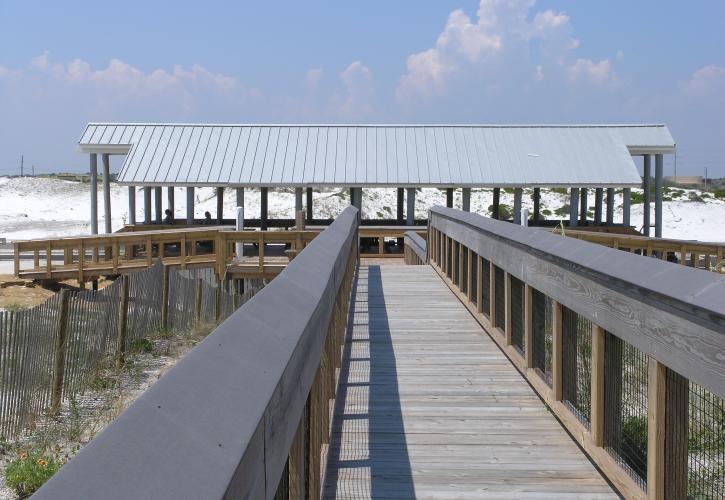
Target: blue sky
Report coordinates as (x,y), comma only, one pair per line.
(63,64)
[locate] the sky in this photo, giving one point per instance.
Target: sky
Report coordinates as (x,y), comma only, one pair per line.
(64,64)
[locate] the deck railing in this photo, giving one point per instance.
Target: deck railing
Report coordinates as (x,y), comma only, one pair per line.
(414,249)
(246,414)
(90,256)
(707,256)
(627,352)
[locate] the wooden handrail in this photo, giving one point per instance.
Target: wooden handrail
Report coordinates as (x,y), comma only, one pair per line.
(253,397)
(686,252)
(673,315)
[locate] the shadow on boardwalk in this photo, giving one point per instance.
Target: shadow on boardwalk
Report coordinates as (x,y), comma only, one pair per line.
(368,437)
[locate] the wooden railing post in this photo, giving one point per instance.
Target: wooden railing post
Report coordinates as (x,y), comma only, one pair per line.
(656,399)
(597,408)
(122,322)
(479,285)
(59,352)
(165,298)
(492,293)
(16,258)
(677,413)
(508,327)
(556,355)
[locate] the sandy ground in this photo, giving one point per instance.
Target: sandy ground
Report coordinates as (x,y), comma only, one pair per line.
(39,207)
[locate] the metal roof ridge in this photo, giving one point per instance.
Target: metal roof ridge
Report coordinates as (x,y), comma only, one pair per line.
(375,125)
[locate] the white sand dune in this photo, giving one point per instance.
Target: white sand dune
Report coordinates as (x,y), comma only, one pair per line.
(42,207)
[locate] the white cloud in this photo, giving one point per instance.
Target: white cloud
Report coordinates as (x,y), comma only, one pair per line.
(506,43)
(598,73)
(539,73)
(119,75)
(313,77)
(706,80)
(358,81)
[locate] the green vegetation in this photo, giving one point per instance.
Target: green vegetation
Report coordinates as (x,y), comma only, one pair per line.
(30,470)
(634,436)
(142,345)
(546,212)
(719,193)
(560,190)
(504,211)
(562,211)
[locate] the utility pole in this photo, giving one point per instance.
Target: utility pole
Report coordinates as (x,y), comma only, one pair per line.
(21,165)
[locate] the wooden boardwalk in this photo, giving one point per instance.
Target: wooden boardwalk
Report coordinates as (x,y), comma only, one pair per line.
(429,407)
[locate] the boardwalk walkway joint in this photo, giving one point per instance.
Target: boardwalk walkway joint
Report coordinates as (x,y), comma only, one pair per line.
(429,407)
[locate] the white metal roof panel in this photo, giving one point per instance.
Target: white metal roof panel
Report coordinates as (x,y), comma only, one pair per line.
(377,155)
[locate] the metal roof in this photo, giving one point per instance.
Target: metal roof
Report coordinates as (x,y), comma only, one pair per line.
(377,155)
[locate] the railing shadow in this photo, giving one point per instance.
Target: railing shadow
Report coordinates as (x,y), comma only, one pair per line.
(368,433)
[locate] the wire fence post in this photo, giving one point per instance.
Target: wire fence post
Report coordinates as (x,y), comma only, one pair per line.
(122,322)
(165,299)
(218,301)
(199,289)
(59,354)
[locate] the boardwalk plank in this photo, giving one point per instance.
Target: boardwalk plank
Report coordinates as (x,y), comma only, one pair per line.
(428,406)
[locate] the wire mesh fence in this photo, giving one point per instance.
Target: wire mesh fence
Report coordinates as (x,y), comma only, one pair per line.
(50,352)
(517,314)
(464,270)
(474,279)
(576,364)
(625,406)
(542,335)
(695,462)
(500,299)
(486,287)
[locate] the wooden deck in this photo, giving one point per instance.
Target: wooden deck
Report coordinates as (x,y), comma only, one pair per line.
(429,407)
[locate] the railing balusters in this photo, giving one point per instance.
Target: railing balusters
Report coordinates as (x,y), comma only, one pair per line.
(643,423)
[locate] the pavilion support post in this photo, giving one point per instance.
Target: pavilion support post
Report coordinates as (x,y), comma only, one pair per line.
(449,197)
(309,204)
(583,206)
(263,215)
(466,200)
(298,199)
(659,160)
(496,202)
(411,206)
(646,187)
(220,205)
(240,196)
(537,204)
(106,192)
(147,205)
(401,205)
(94,193)
(356,197)
(170,202)
(610,206)
(158,204)
(518,194)
(573,207)
(132,205)
(189,205)
(598,201)
(626,206)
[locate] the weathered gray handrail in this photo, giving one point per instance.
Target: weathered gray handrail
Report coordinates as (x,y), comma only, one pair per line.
(622,349)
(221,423)
(416,245)
(672,313)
